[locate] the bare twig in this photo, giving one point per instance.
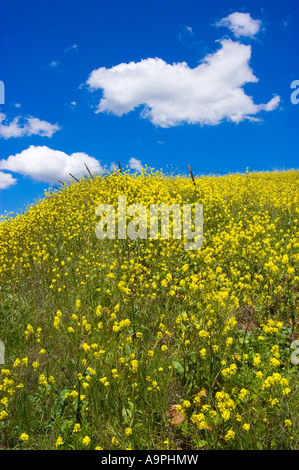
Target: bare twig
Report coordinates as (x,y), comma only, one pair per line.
(73,177)
(191,174)
(88,170)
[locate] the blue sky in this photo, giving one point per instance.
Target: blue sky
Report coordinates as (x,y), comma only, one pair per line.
(204,83)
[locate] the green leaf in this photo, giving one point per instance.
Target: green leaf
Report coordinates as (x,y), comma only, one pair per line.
(201,443)
(178,366)
(127,414)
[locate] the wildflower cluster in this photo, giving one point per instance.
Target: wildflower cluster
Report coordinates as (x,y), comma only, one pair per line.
(142,344)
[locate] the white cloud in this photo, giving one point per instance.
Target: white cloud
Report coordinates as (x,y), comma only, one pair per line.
(135,164)
(53,64)
(48,165)
(175,94)
(25,127)
(186,32)
(287,21)
(6,180)
(272,104)
(241,24)
(189,29)
(42,128)
(56,63)
(74,47)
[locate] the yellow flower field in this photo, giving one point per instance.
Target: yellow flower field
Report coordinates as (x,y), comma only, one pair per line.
(142,344)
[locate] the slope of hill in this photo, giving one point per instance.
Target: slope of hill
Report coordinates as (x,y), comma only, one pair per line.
(142,344)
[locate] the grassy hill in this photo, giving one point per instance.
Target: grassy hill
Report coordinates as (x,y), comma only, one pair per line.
(142,344)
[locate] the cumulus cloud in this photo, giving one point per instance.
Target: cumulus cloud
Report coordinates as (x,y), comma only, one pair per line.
(6,180)
(135,164)
(48,165)
(241,24)
(25,127)
(272,104)
(175,94)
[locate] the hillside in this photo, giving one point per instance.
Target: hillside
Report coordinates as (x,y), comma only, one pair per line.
(143,344)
